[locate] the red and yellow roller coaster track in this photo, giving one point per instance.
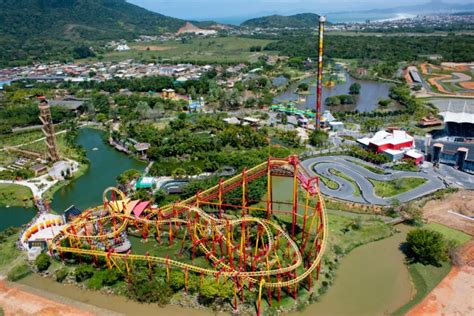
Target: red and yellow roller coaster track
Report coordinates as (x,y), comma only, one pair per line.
(237,244)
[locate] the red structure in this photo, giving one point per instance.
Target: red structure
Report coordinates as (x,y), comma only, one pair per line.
(319,91)
(269,245)
(383,140)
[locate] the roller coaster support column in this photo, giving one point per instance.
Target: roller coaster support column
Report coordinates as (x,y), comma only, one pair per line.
(294,162)
(220,198)
(269,188)
(262,282)
(244,192)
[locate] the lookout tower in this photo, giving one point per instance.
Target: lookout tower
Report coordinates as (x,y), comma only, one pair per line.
(319,86)
(48,130)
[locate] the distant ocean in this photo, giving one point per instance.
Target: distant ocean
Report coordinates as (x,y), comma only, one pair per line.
(336,17)
(355,17)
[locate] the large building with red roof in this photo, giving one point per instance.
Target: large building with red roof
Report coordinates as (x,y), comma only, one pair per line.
(395,145)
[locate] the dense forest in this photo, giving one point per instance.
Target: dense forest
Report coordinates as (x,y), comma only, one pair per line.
(303,20)
(52,29)
(456,48)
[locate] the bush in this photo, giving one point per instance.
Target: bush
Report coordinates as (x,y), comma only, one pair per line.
(426,246)
(42,262)
(176,280)
(144,290)
(18,272)
(211,290)
(103,278)
(61,274)
(318,138)
(83,272)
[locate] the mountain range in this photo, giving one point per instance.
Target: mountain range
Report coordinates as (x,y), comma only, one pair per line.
(303,20)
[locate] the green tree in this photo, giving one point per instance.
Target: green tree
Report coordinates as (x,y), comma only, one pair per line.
(303,87)
(355,88)
(61,274)
(318,138)
(146,290)
(426,246)
(128,175)
(179,172)
(83,272)
(42,262)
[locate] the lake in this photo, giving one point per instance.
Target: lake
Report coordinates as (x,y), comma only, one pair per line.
(370,94)
(105,165)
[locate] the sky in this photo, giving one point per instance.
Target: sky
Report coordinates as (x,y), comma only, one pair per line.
(203,9)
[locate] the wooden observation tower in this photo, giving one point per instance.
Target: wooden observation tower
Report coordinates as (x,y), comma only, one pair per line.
(48,130)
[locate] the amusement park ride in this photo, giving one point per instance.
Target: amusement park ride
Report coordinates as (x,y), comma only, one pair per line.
(267,246)
(272,244)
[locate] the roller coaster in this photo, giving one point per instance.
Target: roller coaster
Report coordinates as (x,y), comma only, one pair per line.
(268,243)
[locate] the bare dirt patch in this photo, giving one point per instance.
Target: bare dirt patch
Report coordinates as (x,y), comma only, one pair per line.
(469,85)
(451,296)
(17,302)
(153,48)
(461,202)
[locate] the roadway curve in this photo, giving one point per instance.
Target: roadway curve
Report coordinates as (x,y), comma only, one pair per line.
(345,191)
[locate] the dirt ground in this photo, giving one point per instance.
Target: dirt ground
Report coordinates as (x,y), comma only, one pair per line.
(18,302)
(467,85)
(453,296)
(461,202)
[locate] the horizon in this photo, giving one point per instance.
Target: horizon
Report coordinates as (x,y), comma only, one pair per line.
(218,10)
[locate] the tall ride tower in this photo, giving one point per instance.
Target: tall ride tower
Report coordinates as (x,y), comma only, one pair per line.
(48,130)
(322,20)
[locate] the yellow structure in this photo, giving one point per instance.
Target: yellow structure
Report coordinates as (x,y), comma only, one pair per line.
(251,249)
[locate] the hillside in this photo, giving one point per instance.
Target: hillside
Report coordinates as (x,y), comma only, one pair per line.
(31,29)
(303,20)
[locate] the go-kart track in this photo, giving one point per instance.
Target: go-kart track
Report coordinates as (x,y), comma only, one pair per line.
(360,175)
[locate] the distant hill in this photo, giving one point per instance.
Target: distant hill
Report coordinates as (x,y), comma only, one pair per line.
(303,20)
(87,19)
(33,29)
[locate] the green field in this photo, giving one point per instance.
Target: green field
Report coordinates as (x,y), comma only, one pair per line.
(199,50)
(449,233)
(368,167)
(8,253)
(395,187)
(328,182)
(15,195)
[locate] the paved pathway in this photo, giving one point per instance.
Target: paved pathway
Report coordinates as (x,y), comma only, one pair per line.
(346,190)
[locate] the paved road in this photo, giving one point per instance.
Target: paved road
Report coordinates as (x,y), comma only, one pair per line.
(344,164)
(456,177)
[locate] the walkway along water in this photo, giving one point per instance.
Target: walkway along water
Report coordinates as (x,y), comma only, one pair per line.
(105,165)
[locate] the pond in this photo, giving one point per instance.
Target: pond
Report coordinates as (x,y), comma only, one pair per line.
(370,94)
(15,216)
(371,280)
(105,165)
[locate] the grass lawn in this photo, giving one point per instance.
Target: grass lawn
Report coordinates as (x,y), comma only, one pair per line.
(8,253)
(449,233)
(395,187)
(15,195)
(425,278)
(328,182)
(20,138)
(346,177)
(198,50)
(368,167)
